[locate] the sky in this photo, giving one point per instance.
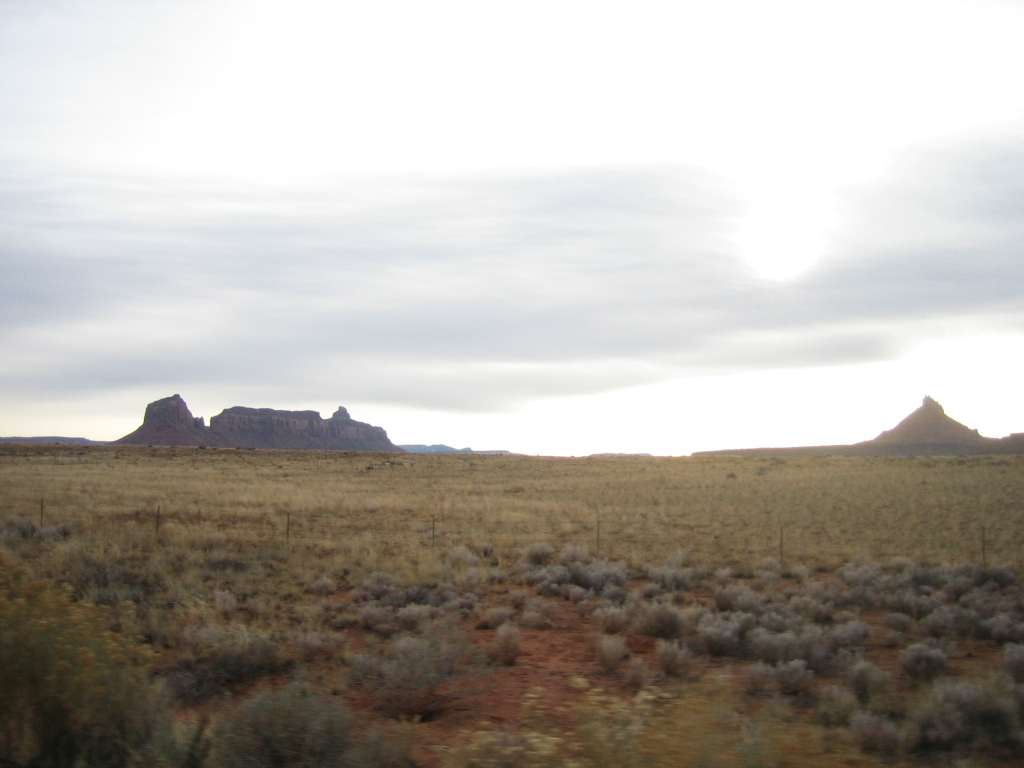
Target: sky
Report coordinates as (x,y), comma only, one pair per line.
(551,227)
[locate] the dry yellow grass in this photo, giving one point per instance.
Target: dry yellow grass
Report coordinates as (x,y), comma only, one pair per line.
(724,510)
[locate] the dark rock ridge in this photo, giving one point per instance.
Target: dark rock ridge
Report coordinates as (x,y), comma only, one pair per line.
(928,431)
(169,422)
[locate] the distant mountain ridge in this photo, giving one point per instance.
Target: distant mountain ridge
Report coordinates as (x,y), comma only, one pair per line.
(170,422)
(440,448)
(927,431)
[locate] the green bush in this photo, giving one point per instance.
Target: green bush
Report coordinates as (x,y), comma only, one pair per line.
(72,693)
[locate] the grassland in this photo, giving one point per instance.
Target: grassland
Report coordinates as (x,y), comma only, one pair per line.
(496,575)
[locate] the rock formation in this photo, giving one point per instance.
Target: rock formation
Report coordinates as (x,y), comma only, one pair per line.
(929,425)
(169,422)
(928,431)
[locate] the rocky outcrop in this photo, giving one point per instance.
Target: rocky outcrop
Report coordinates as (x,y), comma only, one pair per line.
(928,431)
(169,422)
(929,425)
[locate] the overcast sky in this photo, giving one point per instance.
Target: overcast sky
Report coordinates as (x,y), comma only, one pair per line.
(552,227)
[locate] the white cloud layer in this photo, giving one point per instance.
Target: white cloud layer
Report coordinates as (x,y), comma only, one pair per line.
(508,215)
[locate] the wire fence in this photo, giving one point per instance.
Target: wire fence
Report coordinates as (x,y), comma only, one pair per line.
(969,541)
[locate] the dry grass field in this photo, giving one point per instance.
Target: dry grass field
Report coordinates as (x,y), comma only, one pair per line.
(460,610)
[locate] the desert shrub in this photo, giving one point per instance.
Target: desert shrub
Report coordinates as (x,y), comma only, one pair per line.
(671,579)
(1013,661)
(462,557)
(379,619)
(507,645)
(950,621)
(738,597)
(412,617)
(295,727)
(794,678)
(758,679)
(867,680)
(72,693)
(850,634)
(573,553)
(517,598)
(1002,628)
(959,712)
(597,575)
(774,648)
(818,611)
(611,652)
(25,529)
(722,634)
(323,586)
(875,733)
(538,614)
(314,645)
(836,705)
(216,659)
(673,657)
(539,553)
(406,679)
(660,620)
(923,662)
(611,620)
(635,674)
(899,622)
(494,618)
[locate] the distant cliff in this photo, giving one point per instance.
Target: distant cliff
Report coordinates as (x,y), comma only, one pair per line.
(927,431)
(170,422)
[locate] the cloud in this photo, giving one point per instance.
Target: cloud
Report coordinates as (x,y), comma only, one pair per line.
(479,293)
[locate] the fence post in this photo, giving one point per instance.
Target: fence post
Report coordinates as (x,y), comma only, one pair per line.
(42,508)
(158,521)
(288,526)
(984,549)
(599,536)
(433,531)
(782,546)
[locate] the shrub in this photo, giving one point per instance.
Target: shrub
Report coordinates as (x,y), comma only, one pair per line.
(73,693)
(611,652)
(537,615)
(225,603)
(494,618)
(899,622)
(959,712)
(950,621)
(1013,661)
(507,645)
(611,621)
(875,733)
(671,579)
(296,728)
(673,657)
(406,680)
(660,620)
(794,678)
(219,659)
(867,680)
(923,662)
(635,674)
(461,557)
(323,586)
(539,553)
(836,705)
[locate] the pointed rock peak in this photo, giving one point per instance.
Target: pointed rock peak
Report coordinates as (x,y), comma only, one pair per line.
(341,415)
(930,425)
